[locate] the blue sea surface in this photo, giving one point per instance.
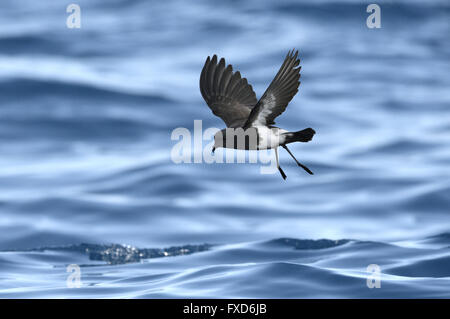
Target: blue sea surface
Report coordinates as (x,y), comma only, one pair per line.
(86,175)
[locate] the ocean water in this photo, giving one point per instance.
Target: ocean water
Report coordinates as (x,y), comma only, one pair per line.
(86,176)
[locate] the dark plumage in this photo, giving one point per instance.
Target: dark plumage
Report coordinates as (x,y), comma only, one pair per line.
(232,98)
(279,93)
(228,95)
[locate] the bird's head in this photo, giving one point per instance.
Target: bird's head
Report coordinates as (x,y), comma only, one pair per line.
(219,140)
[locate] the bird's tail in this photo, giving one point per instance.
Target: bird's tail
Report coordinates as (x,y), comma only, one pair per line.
(305,135)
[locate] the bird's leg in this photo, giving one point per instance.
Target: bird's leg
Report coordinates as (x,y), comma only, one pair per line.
(298,163)
(278,164)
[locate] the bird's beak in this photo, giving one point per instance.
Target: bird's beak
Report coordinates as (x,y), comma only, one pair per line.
(213,149)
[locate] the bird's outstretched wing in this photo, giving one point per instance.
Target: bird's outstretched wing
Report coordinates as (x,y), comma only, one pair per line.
(279,93)
(229,96)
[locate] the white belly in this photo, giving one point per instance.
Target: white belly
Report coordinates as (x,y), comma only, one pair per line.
(270,137)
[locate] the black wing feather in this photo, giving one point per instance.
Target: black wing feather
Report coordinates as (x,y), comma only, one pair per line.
(279,93)
(229,96)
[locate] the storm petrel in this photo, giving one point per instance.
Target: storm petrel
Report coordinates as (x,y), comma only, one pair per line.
(232,98)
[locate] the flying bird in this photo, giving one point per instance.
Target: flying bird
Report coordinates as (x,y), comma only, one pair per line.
(232,98)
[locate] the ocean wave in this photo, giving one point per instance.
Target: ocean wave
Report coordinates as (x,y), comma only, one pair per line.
(85,128)
(37,88)
(291,268)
